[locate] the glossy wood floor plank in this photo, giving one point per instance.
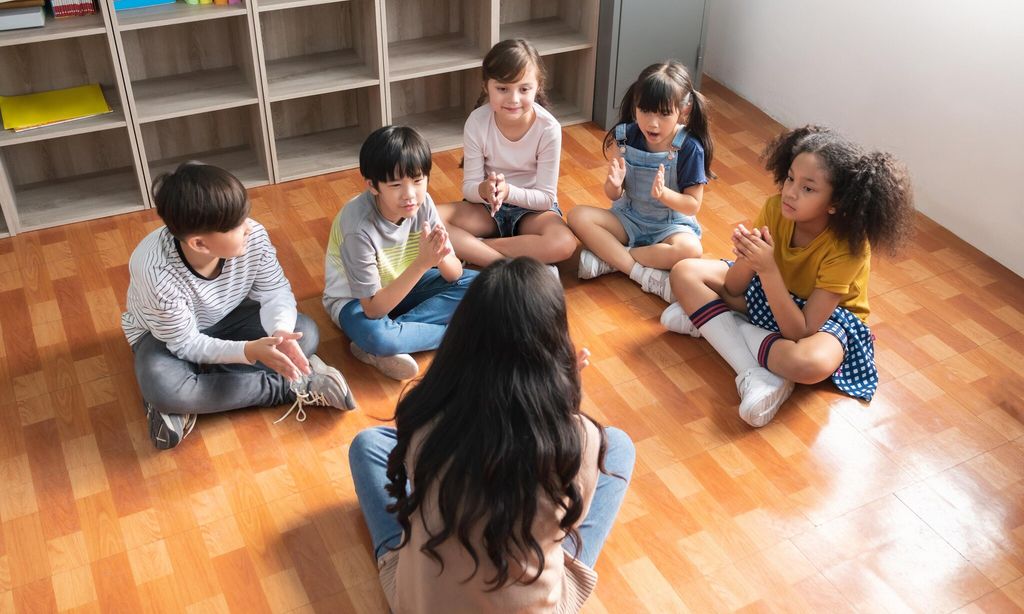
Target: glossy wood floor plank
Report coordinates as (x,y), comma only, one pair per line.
(914,502)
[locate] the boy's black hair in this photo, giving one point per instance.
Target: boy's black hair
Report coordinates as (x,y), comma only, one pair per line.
(393,152)
(198,198)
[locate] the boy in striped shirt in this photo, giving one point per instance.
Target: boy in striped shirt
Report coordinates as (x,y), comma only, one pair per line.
(392,281)
(205,290)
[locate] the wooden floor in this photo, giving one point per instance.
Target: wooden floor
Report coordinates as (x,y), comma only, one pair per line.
(914,502)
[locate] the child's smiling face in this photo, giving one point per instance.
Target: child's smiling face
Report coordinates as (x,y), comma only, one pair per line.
(513,101)
(400,197)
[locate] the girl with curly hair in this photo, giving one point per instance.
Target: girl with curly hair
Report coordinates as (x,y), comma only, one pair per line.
(494,492)
(794,305)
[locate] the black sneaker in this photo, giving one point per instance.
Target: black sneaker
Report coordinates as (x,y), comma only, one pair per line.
(167,430)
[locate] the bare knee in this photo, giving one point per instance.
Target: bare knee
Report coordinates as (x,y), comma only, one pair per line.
(811,365)
(561,244)
(581,214)
(687,272)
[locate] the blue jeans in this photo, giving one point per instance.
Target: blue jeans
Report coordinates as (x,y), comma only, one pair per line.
(368,460)
(416,324)
(176,386)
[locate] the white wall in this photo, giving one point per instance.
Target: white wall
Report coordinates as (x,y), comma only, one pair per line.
(939,84)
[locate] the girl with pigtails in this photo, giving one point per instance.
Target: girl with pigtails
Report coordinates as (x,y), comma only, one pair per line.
(659,161)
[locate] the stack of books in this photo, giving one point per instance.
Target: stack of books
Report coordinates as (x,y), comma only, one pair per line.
(18,14)
(68,8)
(42,109)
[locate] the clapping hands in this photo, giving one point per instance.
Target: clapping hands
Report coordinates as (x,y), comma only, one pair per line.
(494,191)
(755,247)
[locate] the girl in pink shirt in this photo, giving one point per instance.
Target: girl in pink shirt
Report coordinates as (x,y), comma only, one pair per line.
(512,146)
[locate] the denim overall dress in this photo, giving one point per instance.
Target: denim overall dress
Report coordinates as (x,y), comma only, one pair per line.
(646,220)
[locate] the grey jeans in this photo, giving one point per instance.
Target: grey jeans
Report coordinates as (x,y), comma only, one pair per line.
(175,386)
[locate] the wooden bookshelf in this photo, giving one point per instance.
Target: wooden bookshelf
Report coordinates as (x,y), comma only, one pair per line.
(76,170)
(272,90)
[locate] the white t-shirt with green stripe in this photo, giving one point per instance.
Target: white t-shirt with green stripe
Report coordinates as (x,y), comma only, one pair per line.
(366,252)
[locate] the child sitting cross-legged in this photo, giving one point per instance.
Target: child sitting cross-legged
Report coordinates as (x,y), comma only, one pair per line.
(392,281)
(210,315)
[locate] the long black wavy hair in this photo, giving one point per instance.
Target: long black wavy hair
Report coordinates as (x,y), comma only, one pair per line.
(871,191)
(502,401)
(665,87)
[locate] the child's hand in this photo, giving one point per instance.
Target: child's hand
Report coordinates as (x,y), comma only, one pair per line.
(290,348)
(433,245)
(737,234)
(266,350)
(494,191)
(658,187)
(582,359)
(617,171)
(756,247)
(501,190)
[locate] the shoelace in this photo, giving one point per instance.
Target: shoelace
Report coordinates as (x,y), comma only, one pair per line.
(302,399)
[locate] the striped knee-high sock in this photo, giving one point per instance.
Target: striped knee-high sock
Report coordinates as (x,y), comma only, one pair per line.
(759,341)
(723,334)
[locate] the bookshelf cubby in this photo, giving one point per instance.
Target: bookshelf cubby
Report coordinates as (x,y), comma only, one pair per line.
(76,170)
(570,86)
(556,26)
(319,48)
(273,90)
(436,105)
(192,67)
(323,133)
(72,178)
(430,37)
(229,138)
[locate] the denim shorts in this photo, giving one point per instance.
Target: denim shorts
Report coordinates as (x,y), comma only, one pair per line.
(641,231)
(508,217)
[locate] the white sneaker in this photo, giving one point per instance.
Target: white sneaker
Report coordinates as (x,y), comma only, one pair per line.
(554,271)
(323,387)
(399,366)
(761,394)
(676,320)
(656,282)
(591,266)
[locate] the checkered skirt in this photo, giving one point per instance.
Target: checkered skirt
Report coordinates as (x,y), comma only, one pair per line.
(857,375)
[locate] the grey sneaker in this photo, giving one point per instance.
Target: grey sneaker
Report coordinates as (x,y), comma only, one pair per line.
(324,387)
(762,393)
(167,430)
(591,266)
(399,366)
(656,282)
(327,383)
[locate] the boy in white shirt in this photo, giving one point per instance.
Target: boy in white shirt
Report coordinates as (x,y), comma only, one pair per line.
(205,290)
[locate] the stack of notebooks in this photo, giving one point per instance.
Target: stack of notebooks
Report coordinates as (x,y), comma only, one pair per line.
(42,109)
(18,14)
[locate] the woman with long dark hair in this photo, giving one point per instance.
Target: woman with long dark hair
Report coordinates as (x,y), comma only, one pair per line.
(494,493)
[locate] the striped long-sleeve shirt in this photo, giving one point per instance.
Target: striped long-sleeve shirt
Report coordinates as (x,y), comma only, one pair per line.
(168,299)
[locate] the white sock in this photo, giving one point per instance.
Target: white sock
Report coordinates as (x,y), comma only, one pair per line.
(723,333)
(754,337)
(636,272)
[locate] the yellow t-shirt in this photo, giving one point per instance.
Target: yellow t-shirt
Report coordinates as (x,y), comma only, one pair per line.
(826,262)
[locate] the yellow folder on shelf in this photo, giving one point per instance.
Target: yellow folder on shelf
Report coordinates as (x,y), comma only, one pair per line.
(45,108)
